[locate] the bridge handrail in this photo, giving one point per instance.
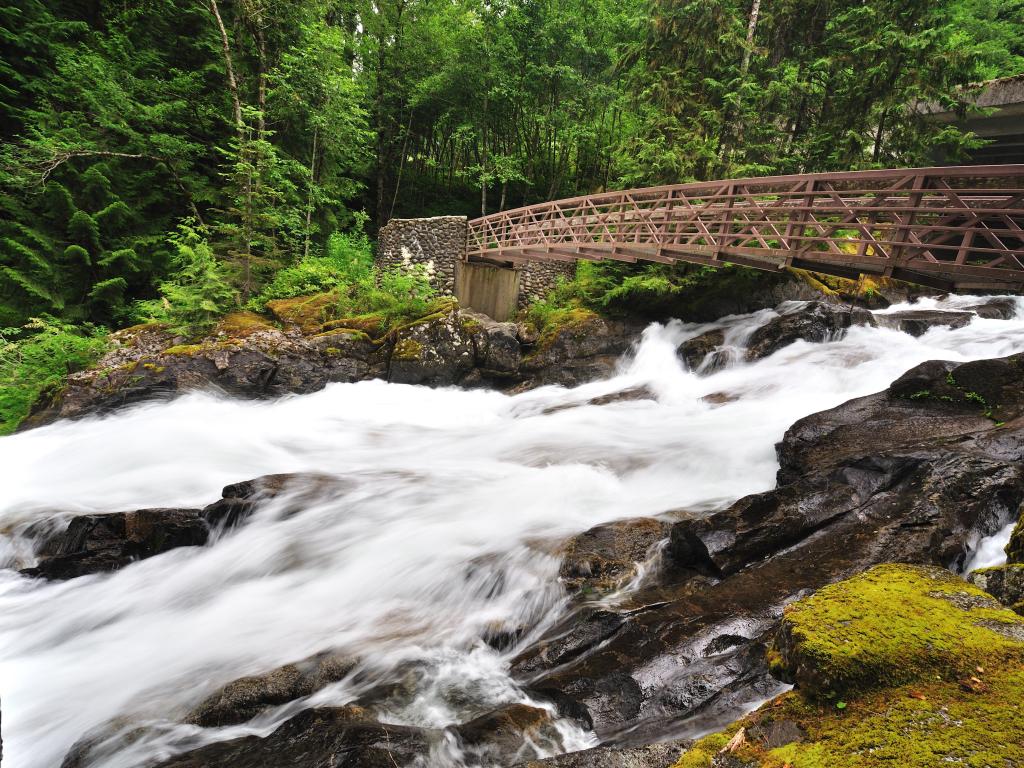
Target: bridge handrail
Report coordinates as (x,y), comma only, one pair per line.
(956,171)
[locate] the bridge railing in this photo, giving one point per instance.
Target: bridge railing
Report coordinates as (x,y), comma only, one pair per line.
(960,226)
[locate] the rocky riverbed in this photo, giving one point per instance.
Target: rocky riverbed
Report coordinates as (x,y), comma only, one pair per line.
(372,574)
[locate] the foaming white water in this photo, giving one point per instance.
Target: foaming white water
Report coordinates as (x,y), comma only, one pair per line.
(442,530)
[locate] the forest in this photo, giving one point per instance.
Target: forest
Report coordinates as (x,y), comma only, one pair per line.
(174,159)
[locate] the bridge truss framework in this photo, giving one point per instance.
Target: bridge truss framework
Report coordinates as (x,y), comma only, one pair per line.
(959,229)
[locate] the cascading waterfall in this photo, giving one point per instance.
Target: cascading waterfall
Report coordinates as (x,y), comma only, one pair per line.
(445,523)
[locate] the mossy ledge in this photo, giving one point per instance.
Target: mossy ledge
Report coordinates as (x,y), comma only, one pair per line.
(922,670)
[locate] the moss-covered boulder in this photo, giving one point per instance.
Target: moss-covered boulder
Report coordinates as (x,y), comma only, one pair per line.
(890,625)
(435,350)
(901,665)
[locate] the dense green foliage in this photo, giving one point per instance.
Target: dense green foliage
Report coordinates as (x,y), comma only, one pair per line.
(36,359)
(266,127)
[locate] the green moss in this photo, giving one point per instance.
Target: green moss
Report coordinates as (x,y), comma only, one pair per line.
(309,313)
(353,334)
(470,325)
(893,624)
(913,726)
(154,367)
(372,324)
(933,673)
(242,324)
(407,349)
(184,349)
(703,751)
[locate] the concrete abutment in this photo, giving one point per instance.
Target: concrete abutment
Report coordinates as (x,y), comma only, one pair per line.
(438,244)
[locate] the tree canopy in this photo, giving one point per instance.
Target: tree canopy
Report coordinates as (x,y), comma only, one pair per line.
(262,126)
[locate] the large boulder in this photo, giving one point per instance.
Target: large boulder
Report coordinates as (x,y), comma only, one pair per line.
(107,542)
(579,347)
(813,321)
(931,401)
(437,350)
(890,625)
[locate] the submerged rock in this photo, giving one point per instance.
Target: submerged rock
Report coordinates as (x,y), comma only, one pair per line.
(814,321)
(107,542)
(243,699)
(240,500)
(996,308)
(604,557)
(917,322)
(340,737)
(510,730)
(700,353)
(647,756)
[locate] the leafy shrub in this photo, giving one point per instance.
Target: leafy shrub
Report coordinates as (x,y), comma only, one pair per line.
(347,262)
(37,358)
(197,293)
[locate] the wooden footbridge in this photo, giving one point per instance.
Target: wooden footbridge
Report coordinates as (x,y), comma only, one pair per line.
(958,229)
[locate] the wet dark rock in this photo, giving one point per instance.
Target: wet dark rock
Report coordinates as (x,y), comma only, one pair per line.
(933,401)
(240,500)
(917,322)
(498,346)
(243,699)
(1004,582)
(694,352)
(647,756)
(339,737)
(602,558)
(107,542)
(506,731)
(996,308)
(814,321)
(1015,546)
(859,488)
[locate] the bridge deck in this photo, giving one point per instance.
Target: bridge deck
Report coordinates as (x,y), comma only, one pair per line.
(959,229)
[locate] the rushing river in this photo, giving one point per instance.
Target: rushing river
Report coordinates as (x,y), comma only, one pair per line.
(446,493)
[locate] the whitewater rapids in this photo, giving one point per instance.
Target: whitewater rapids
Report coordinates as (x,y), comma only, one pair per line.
(445,493)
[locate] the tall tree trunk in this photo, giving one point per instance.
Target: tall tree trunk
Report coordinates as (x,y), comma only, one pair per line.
(309,197)
(755,12)
(236,102)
